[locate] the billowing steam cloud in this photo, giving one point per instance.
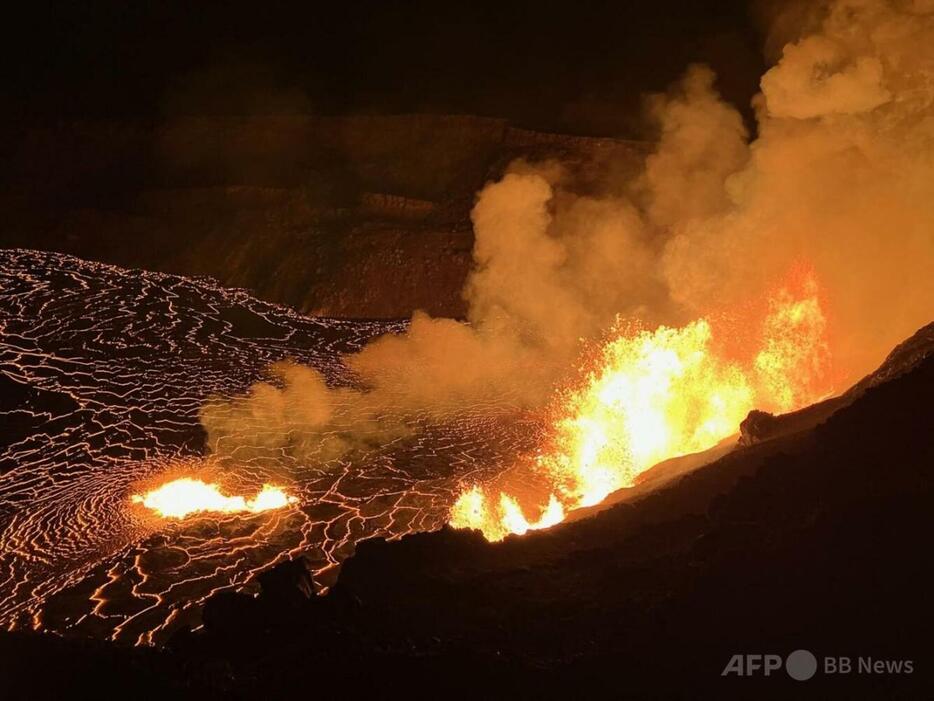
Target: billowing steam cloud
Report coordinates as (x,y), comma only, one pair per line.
(840,175)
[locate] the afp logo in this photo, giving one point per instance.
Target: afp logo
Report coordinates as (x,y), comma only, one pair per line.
(800,665)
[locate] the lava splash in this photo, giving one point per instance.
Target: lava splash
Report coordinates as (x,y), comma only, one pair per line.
(186,496)
(655,395)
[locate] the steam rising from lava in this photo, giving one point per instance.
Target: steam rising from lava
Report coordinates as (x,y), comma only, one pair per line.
(656,395)
(690,258)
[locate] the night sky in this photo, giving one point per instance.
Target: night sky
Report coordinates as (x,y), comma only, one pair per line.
(577,67)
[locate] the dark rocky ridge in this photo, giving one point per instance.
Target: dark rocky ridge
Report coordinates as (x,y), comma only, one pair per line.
(815,540)
(364,216)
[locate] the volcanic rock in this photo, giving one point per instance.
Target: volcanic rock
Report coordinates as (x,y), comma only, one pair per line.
(356,216)
(287,584)
(756,427)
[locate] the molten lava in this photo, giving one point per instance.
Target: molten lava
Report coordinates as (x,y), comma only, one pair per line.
(655,395)
(792,365)
(183,497)
(473,510)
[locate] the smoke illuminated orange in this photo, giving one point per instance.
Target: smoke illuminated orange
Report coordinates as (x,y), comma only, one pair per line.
(184,497)
(792,365)
(659,394)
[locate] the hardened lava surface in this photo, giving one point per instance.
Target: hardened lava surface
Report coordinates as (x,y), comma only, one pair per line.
(102,375)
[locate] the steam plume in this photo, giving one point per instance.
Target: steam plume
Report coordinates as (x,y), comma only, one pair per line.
(841,174)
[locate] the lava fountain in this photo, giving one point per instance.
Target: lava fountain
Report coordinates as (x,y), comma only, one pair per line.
(655,395)
(183,497)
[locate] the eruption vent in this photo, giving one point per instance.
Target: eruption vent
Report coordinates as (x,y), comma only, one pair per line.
(183,497)
(655,395)
(685,246)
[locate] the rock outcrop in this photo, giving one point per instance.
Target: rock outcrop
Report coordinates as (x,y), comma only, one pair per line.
(364,216)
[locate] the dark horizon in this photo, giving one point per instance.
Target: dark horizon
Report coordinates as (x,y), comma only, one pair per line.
(538,65)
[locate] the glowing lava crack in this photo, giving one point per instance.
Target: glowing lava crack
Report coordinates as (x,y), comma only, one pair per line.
(103,374)
(184,497)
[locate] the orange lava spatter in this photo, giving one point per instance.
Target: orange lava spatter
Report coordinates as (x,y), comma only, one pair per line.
(183,497)
(655,395)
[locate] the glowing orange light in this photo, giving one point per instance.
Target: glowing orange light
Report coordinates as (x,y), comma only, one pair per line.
(184,497)
(659,394)
(473,510)
(792,366)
